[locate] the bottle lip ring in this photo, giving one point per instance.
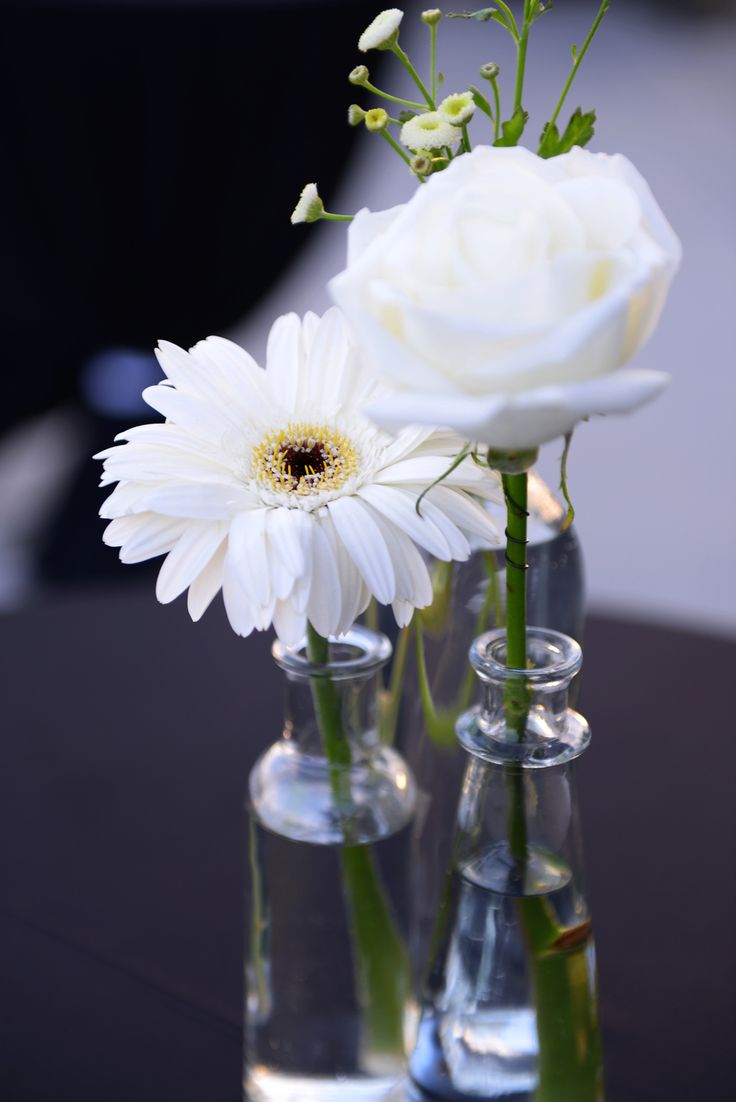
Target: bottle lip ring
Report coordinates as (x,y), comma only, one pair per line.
(557,657)
(360,653)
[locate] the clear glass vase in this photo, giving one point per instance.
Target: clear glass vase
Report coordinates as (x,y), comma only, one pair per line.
(330,817)
(509,1005)
(433,692)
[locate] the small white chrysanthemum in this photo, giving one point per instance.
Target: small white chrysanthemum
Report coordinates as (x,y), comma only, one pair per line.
(272,486)
(457,108)
(310,206)
(383,31)
(429,131)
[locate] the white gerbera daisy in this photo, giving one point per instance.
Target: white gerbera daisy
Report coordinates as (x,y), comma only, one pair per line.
(457,108)
(383,32)
(272,486)
(429,131)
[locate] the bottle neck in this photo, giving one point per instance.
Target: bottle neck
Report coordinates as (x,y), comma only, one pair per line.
(540,729)
(351,677)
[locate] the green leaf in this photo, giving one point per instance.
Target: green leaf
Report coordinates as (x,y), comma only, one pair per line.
(480,101)
(574,52)
(440,79)
(579,131)
(541,9)
(482,16)
(513,128)
(405,115)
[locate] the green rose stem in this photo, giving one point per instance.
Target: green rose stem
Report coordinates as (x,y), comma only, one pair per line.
(382,959)
(570,1067)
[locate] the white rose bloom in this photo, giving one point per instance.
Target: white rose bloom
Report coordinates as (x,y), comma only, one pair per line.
(429,131)
(382,31)
(503,299)
(272,486)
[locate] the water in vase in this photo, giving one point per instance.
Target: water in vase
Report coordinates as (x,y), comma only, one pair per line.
(478,1032)
(309,1036)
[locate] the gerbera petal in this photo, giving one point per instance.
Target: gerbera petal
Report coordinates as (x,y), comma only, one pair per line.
(146,536)
(399,506)
(324,606)
(467,514)
(240,613)
(284,360)
(206,585)
(247,554)
(403,612)
(290,625)
(198,417)
(196,500)
(363,541)
(413,582)
(187,558)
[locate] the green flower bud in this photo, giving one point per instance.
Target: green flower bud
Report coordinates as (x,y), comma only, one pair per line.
(376,119)
(431,17)
(490,70)
(356,114)
(508,462)
(359,75)
(421,164)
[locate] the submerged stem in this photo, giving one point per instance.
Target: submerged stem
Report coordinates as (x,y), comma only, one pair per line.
(382,959)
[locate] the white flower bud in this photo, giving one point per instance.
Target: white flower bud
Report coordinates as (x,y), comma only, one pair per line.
(356,114)
(383,33)
(359,75)
(310,206)
(376,119)
(429,131)
(458,108)
(431,17)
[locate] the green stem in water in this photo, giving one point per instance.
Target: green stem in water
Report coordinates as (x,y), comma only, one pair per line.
(382,959)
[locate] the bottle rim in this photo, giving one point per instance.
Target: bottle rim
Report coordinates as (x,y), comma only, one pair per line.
(360,652)
(555,657)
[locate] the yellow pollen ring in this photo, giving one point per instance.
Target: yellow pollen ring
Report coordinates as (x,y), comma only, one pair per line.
(304,458)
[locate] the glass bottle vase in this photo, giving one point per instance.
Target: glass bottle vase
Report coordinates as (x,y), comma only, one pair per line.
(330,813)
(469,601)
(509,1005)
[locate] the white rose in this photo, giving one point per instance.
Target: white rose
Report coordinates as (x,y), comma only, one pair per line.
(504,297)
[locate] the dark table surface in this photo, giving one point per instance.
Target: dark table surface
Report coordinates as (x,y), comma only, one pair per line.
(128,736)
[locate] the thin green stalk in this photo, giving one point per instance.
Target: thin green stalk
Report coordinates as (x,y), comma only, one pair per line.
(521,48)
(433,59)
(325,216)
(396,147)
(578,59)
(391,697)
(382,959)
(404,59)
(497,112)
(466,139)
(393,99)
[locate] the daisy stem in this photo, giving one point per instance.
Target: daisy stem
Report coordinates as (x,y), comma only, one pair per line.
(433,59)
(497,112)
(325,216)
(395,146)
(393,99)
(382,960)
(404,59)
(521,48)
(391,697)
(578,57)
